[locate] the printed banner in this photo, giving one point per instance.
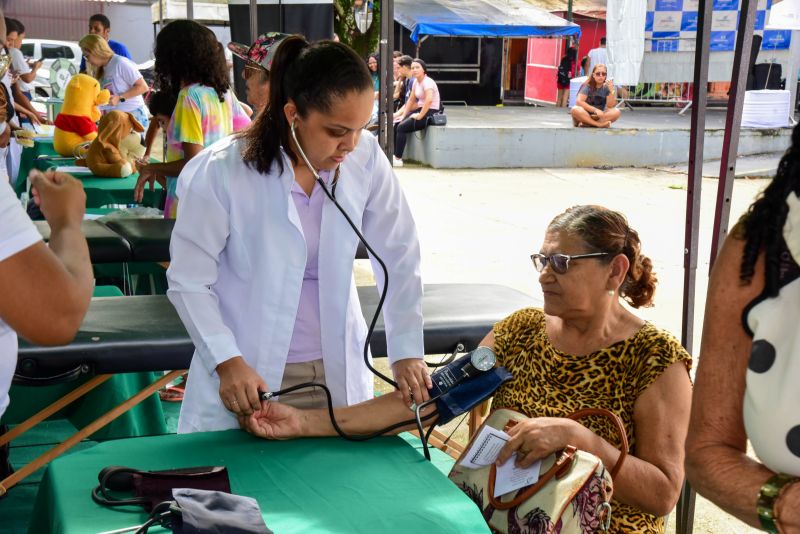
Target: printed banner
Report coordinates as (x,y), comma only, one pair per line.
(671,26)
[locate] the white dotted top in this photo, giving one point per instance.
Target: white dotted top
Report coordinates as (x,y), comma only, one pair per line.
(772,395)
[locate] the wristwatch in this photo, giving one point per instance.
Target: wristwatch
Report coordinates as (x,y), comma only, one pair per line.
(122,99)
(768,497)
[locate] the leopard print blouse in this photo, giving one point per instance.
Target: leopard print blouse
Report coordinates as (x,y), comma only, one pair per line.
(550,383)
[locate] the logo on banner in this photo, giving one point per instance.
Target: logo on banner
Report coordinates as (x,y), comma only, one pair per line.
(669,5)
(726,5)
(722,41)
(724,21)
(776,39)
(689,21)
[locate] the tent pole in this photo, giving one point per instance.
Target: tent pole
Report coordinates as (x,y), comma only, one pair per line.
(385,101)
(569,10)
(733,122)
(685,508)
(253,20)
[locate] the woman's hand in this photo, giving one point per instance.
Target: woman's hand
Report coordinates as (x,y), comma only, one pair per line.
(273,421)
(147,175)
(534,439)
(411,375)
(416,116)
(240,386)
(113,100)
(610,85)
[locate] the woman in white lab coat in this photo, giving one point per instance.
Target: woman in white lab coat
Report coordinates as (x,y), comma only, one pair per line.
(261,271)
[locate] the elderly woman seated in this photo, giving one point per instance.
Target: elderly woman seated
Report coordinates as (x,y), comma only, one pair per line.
(584,349)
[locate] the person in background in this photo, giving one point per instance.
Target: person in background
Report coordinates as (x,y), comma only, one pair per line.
(100,25)
(257,62)
(423,102)
(566,71)
(746,391)
(262,261)
(596,101)
(407,81)
(119,75)
(598,56)
(190,64)
(161,105)
(585,66)
(21,102)
(19,66)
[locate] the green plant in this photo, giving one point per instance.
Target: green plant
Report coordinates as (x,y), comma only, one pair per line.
(344,24)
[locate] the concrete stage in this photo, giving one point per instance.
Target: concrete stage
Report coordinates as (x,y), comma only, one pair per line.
(523,136)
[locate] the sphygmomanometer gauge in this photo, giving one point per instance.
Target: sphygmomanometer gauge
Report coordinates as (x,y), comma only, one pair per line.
(483,358)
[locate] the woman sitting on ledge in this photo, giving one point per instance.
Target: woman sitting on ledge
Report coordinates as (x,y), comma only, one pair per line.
(596,101)
(584,349)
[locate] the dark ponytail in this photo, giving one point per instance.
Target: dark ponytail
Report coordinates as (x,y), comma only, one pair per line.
(310,75)
(762,226)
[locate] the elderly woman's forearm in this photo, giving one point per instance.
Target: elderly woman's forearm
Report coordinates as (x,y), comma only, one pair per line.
(638,483)
(365,418)
(727,477)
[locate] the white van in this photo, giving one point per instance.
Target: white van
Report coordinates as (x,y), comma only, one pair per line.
(49,51)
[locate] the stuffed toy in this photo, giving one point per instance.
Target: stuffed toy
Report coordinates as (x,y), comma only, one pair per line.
(76,122)
(113,153)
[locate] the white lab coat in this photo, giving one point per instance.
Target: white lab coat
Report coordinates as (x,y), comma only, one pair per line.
(238,258)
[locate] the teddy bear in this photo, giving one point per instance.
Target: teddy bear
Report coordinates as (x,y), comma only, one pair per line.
(76,122)
(114,151)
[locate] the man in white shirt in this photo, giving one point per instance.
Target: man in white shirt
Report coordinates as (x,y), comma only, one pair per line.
(44,291)
(19,66)
(598,56)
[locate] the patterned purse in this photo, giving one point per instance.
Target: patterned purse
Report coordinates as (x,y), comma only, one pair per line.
(572,495)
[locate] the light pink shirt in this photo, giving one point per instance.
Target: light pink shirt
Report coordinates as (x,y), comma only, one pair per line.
(306,344)
(419,92)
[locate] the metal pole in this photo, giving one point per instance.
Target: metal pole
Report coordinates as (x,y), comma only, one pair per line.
(190,9)
(569,10)
(733,122)
(253,20)
(685,508)
(385,102)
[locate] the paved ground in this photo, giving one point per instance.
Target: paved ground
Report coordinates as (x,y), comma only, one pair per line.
(481,226)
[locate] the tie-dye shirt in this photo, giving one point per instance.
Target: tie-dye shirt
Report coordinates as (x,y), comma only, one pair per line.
(201,119)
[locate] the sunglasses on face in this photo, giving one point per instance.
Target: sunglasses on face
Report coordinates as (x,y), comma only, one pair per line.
(559,263)
(600,74)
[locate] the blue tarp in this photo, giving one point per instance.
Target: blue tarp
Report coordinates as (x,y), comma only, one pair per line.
(480,18)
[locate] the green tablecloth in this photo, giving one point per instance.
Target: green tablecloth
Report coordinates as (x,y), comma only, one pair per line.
(309,485)
(100,191)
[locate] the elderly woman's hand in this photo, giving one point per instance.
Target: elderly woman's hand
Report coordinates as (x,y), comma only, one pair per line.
(536,438)
(274,421)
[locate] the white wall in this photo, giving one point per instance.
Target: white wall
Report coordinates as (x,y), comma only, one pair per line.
(130,25)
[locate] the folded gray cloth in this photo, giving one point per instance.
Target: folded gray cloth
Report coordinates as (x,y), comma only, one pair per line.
(215,512)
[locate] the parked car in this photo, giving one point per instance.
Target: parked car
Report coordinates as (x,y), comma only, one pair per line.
(50,51)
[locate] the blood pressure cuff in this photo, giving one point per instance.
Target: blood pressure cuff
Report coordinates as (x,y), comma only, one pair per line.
(217,512)
(470,393)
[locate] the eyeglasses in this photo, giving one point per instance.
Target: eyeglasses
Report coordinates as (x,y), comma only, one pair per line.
(560,262)
(600,74)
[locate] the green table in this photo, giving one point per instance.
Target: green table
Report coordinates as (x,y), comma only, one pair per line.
(308,485)
(100,191)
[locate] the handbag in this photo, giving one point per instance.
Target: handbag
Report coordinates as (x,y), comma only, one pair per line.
(153,487)
(572,494)
(437,119)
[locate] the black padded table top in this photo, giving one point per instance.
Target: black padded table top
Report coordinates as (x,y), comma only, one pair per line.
(131,334)
(148,238)
(105,245)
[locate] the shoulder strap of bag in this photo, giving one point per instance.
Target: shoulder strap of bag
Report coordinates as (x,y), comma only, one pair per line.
(562,462)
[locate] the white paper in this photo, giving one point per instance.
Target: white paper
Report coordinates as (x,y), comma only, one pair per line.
(74,169)
(511,478)
(485,448)
(484,451)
